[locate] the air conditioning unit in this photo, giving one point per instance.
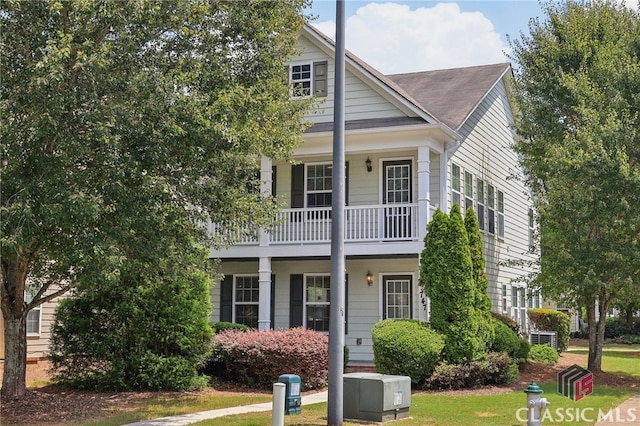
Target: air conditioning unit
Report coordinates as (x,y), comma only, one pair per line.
(543,338)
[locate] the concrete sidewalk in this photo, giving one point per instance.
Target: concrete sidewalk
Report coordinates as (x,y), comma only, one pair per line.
(186,419)
(627,413)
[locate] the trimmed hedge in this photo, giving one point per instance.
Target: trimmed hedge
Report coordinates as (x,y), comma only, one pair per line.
(258,358)
(552,320)
(617,327)
(493,369)
(219,327)
(407,348)
(544,353)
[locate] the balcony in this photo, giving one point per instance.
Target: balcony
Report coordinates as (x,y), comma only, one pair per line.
(366,224)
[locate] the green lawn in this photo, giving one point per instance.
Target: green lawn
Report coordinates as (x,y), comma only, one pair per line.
(447,410)
(426,409)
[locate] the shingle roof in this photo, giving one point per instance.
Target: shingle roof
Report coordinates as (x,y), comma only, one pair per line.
(451,94)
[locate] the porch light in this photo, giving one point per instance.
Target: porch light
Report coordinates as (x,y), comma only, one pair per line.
(369,278)
(368,162)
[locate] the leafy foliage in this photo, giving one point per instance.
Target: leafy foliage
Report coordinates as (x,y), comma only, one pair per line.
(577,85)
(111,105)
(508,321)
(447,274)
(493,369)
(406,347)
(544,353)
(148,329)
(258,358)
(617,327)
(552,320)
(220,326)
(507,341)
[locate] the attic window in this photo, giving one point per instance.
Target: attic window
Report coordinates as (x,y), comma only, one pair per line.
(308,78)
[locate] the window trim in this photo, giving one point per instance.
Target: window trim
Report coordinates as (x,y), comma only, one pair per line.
(501,216)
(480,204)
(532,246)
(307,191)
(318,79)
(455,185)
(491,222)
(235,302)
(306,303)
(38,333)
(468,190)
(301,80)
(392,277)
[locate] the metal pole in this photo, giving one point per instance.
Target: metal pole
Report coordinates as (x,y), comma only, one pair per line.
(337,311)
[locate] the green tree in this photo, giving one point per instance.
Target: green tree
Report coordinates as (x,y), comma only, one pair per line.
(578,103)
(482,300)
(446,272)
(174,101)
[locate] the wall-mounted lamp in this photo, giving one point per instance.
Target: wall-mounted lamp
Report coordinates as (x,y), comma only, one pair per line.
(369,279)
(368,162)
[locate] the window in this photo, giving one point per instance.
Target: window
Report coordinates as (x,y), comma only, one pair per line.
(317,298)
(308,78)
(34,316)
(504,298)
(455,184)
(491,208)
(319,185)
(468,190)
(397,297)
(533,298)
(532,246)
(519,306)
(480,204)
(500,214)
(246,298)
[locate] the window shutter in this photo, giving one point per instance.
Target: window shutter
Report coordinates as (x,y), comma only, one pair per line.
(346,184)
(274,169)
(226,299)
(346,304)
(320,72)
(296,298)
(273,300)
(297,186)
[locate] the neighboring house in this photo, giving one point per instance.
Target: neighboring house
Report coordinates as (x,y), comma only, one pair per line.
(414,143)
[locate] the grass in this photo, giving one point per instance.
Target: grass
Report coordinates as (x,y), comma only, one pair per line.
(618,362)
(426,409)
(448,410)
(164,407)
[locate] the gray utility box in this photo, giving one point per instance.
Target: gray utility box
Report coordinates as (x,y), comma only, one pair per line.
(376,397)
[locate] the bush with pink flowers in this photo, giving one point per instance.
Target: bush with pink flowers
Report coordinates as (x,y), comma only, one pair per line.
(258,358)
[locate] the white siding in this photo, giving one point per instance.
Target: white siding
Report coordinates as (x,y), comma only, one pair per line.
(486,154)
(361,101)
(364,302)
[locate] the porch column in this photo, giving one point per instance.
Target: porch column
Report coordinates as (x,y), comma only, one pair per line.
(424,197)
(266,178)
(264,298)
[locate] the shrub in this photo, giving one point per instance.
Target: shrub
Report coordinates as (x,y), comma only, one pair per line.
(628,339)
(258,358)
(617,327)
(552,320)
(544,353)
(506,339)
(406,347)
(522,354)
(508,321)
(493,369)
(219,327)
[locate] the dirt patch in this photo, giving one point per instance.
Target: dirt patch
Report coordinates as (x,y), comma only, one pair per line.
(53,405)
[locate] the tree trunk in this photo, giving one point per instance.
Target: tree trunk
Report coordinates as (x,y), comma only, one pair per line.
(629,318)
(15,357)
(596,338)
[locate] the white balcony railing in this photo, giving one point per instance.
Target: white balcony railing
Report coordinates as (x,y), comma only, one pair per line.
(385,222)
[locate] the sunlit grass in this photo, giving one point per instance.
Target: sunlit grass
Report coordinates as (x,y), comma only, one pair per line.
(620,363)
(457,410)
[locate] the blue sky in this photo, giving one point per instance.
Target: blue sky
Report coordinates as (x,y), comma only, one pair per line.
(406,36)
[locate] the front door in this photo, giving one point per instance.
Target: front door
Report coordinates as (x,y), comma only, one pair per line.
(396,190)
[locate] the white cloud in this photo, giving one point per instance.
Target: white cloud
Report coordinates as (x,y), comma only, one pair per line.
(395,39)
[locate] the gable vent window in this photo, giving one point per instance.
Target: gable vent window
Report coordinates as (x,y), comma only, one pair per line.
(308,79)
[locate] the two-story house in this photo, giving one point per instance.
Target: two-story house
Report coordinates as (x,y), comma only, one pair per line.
(413,143)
